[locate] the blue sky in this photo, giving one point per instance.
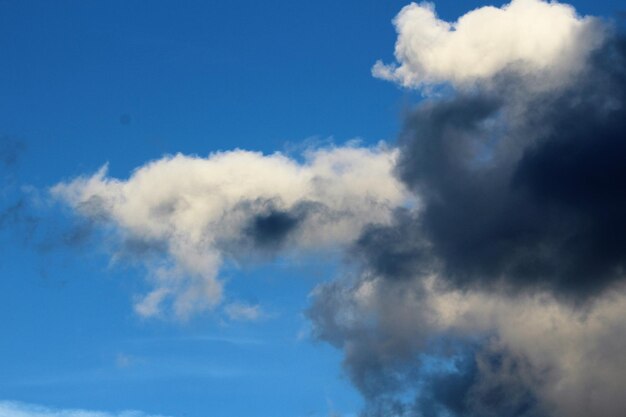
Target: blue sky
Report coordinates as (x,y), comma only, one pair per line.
(84,83)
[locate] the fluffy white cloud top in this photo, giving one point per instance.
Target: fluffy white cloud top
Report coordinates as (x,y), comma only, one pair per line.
(234,206)
(546,40)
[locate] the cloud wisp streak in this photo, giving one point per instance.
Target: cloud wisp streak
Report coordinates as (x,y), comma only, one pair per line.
(18,409)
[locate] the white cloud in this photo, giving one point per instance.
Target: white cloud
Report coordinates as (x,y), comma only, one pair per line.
(233,206)
(244,312)
(546,40)
(17,409)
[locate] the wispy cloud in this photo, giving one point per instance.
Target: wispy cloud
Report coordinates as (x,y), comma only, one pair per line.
(245,312)
(19,409)
(202,338)
(136,368)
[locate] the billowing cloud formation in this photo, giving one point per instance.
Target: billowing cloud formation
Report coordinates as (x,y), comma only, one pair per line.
(547,40)
(414,349)
(235,205)
(503,292)
(16,409)
(500,290)
(525,192)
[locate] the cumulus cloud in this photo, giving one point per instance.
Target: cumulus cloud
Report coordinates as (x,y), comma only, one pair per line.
(17,409)
(233,206)
(525,199)
(502,292)
(547,40)
(499,289)
(412,347)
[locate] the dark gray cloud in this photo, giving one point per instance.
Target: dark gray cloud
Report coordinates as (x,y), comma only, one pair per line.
(521,193)
(478,382)
(529,199)
(396,252)
(271,228)
(267,226)
(406,366)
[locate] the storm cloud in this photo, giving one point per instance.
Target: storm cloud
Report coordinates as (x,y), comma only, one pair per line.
(501,291)
(531,200)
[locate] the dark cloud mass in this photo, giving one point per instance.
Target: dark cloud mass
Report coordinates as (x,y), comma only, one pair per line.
(482,383)
(267,226)
(520,191)
(271,229)
(399,252)
(535,202)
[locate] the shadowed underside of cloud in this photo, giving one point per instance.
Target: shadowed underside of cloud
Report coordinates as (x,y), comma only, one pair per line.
(17,409)
(502,293)
(525,191)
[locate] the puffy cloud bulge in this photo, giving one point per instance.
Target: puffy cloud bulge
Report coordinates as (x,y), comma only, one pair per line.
(502,294)
(499,291)
(535,36)
(413,348)
(233,206)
